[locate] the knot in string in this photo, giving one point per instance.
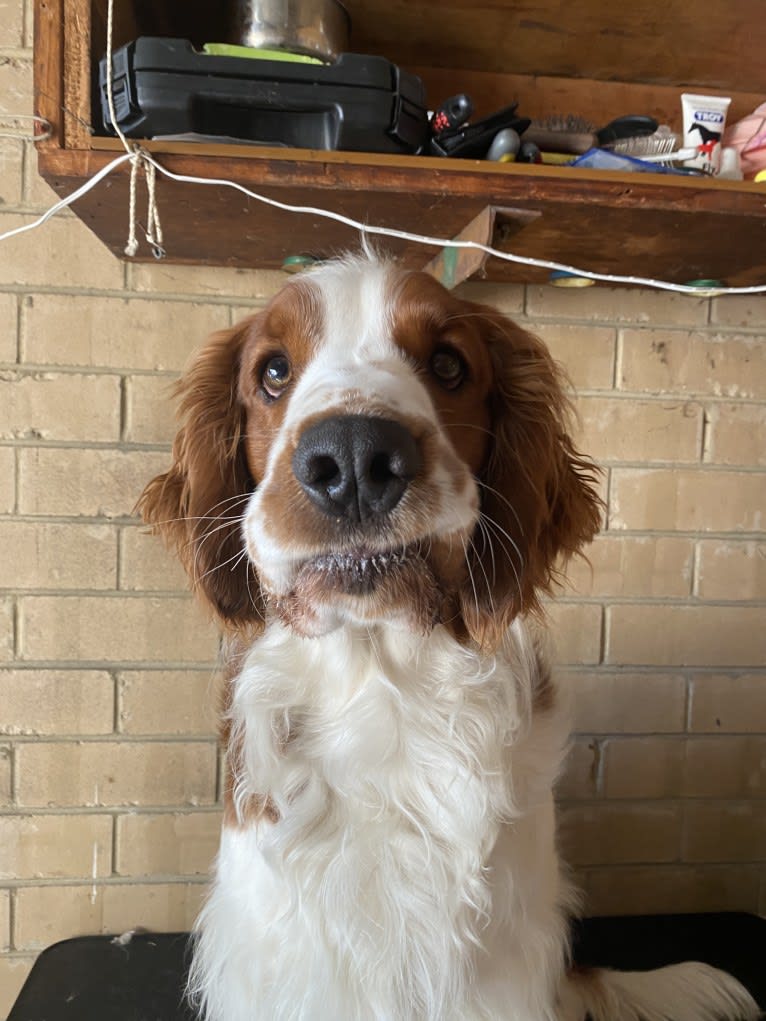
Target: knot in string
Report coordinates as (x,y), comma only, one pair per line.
(153,229)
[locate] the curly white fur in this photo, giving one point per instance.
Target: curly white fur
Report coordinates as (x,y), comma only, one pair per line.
(378,892)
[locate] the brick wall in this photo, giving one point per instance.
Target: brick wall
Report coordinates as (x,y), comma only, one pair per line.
(109,773)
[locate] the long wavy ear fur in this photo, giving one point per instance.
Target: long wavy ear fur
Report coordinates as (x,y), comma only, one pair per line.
(197,505)
(539,502)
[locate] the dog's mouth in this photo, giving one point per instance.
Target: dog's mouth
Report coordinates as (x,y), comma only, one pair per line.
(357,572)
(401,585)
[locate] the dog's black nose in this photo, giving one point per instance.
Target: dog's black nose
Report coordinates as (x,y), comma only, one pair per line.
(356,467)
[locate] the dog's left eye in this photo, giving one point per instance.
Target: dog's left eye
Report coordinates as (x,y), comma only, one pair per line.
(448,367)
(276,375)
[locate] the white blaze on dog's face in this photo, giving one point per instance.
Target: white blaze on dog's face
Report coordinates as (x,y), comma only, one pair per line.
(372,389)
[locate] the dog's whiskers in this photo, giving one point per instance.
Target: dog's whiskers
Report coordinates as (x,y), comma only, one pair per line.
(210,516)
(480,562)
(470,573)
(502,535)
(505,500)
(238,557)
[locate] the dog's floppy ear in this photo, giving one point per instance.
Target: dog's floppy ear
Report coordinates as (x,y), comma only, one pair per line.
(197,505)
(538,499)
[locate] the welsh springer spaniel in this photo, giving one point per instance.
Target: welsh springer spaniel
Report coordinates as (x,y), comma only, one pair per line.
(372,485)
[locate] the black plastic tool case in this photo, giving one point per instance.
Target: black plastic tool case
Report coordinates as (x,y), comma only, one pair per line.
(358,103)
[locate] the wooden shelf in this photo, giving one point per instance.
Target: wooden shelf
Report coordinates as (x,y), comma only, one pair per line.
(674,228)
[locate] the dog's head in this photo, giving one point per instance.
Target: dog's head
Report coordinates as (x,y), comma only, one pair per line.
(371,448)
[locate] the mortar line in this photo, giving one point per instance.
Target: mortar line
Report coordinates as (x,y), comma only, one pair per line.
(12,920)
(696,563)
(603,650)
(214,297)
(123,409)
(688,707)
(114,674)
(617,361)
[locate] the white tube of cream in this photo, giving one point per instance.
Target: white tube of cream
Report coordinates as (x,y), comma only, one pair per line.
(704,123)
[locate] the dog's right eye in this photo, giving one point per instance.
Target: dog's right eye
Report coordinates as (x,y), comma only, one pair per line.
(276,375)
(448,367)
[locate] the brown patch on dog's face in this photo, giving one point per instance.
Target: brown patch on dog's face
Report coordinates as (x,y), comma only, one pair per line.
(289,328)
(226,427)
(427,320)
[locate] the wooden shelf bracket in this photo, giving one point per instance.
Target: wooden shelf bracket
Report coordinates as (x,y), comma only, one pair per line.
(453,266)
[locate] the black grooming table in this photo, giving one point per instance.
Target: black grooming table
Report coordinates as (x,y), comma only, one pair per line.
(100,978)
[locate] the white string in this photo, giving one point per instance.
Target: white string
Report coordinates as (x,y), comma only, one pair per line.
(110,75)
(153,229)
(35,135)
(153,225)
(69,199)
(131,248)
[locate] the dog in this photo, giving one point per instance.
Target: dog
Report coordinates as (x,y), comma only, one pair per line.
(373,485)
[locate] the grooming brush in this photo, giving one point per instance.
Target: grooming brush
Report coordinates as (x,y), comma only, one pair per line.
(659,147)
(576,135)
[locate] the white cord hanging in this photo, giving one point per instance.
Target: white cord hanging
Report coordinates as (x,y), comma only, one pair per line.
(138,161)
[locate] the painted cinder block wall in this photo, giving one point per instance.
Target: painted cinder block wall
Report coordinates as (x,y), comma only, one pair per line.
(109,771)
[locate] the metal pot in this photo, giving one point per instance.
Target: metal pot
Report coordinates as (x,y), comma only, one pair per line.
(317,28)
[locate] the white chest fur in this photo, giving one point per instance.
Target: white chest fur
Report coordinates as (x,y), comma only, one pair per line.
(409,797)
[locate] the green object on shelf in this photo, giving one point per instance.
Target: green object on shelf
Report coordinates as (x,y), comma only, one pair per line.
(232,50)
(297,263)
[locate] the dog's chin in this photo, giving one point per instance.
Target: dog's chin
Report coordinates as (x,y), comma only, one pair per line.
(362,587)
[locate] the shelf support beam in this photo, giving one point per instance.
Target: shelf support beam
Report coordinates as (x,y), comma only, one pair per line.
(452,266)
